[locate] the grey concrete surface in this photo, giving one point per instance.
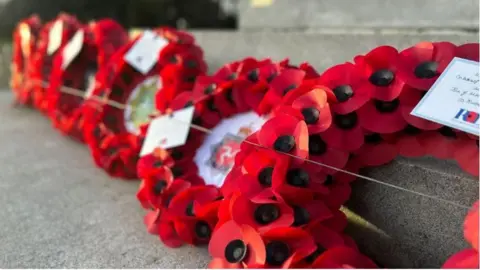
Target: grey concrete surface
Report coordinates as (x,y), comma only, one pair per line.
(59,211)
(301,14)
(320,49)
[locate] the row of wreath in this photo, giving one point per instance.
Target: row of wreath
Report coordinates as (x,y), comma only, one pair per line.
(271,207)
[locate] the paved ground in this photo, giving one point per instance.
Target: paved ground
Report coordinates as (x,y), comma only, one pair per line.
(59,211)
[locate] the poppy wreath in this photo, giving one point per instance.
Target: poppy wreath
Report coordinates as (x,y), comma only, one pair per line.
(100,40)
(42,62)
(276,207)
(25,37)
(113,133)
(467,258)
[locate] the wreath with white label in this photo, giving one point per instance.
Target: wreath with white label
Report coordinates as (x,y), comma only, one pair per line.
(275,208)
(75,66)
(142,78)
(25,37)
(53,36)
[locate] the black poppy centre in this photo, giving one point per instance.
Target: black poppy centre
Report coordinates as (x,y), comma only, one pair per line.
(346,121)
(284,143)
(298,178)
(277,253)
(386,106)
(235,251)
(266,213)
(343,92)
(265,176)
(382,77)
(203,230)
(426,70)
(310,115)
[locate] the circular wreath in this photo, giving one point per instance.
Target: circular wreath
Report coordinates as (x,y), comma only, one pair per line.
(276,210)
(101,39)
(25,37)
(113,133)
(42,62)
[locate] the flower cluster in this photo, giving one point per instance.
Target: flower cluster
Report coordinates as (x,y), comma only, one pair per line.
(24,45)
(65,109)
(42,59)
(280,204)
(115,145)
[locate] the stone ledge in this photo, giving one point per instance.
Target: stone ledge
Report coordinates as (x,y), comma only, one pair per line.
(284,14)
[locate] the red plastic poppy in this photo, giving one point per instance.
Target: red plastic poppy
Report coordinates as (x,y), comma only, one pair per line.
(152,190)
(149,163)
(194,213)
(287,134)
(343,257)
(345,133)
(442,143)
(466,155)
(287,80)
(261,212)
(338,190)
(409,99)
(419,66)
(465,259)
(376,151)
(311,107)
(287,246)
(381,116)
(468,51)
(158,223)
(380,67)
(321,151)
(408,142)
(470,226)
(347,83)
(25,36)
(238,246)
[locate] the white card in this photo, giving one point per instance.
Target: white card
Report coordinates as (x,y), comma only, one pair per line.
(55,37)
(25,37)
(168,131)
(72,49)
(144,53)
(454,98)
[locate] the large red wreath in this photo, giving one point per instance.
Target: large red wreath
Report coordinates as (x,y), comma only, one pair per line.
(113,145)
(42,62)
(101,39)
(25,37)
(277,210)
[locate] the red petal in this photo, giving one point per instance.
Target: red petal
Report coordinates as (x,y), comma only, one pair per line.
(468,51)
(371,119)
(376,154)
(465,259)
(168,235)
(346,140)
(343,257)
(467,156)
(218,263)
(222,236)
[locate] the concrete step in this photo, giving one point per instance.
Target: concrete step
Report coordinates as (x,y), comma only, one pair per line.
(347,14)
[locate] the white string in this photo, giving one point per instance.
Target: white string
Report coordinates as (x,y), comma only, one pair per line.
(80,93)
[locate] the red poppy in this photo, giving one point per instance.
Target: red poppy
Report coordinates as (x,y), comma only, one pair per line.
(342,257)
(338,190)
(322,152)
(287,246)
(237,246)
(345,133)
(466,155)
(156,190)
(120,154)
(470,226)
(308,213)
(468,51)
(442,143)
(348,86)
(261,212)
(465,259)
(310,71)
(194,213)
(285,133)
(408,142)
(312,107)
(376,151)
(409,99)
(286,81)
(157,223)
(419,66)
(381,116)
(380,67)
(150,162)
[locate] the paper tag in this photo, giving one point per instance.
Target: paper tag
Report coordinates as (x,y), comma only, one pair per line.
(55,37)
(454,98)
(168,131)
(261,3)
(25,37)
(144,53)
(72,49)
